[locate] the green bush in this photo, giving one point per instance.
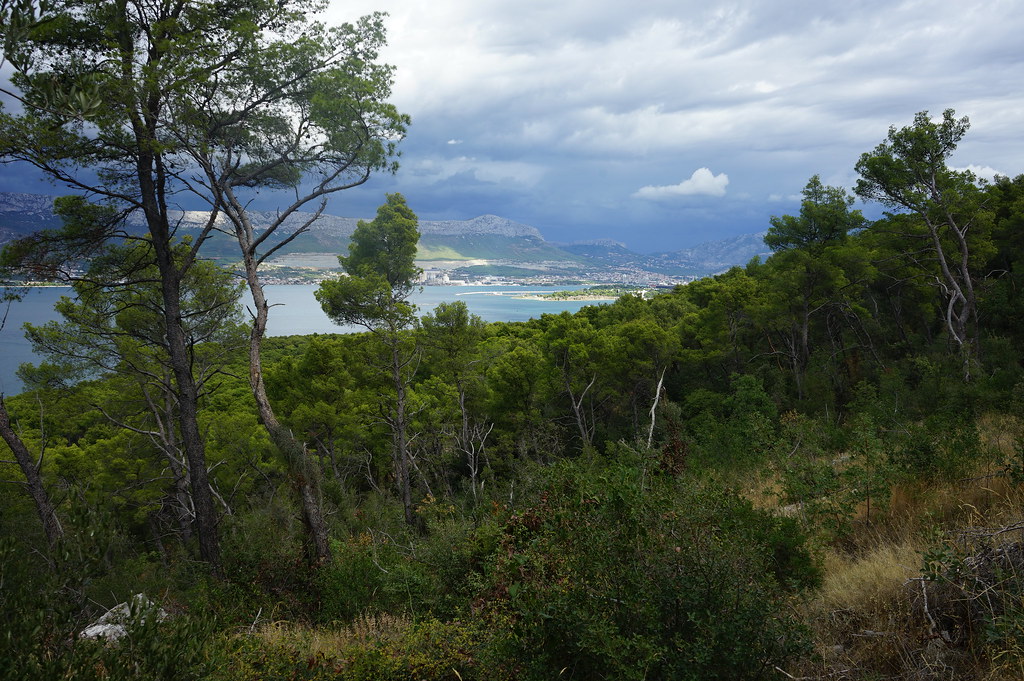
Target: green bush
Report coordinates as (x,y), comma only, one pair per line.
(350,583)
(435,574)
(734,432)
(429,650)
(945,447)
(39,636)
(608,579)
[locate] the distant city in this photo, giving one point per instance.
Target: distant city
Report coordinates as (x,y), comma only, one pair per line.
(486,250)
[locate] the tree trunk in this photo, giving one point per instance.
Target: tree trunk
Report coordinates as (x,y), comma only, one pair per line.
(654,406)
(182,501)
(188,421)
(144,115)
(187,395)
(958,285)
(33,481)
(400,435)
(578,411)
(304,472)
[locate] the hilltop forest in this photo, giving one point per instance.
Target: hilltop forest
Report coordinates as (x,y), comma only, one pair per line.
(809,467)
(806,466)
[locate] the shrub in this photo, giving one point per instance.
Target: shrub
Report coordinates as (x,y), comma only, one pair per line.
(607,578)
(388,650)
(39,637)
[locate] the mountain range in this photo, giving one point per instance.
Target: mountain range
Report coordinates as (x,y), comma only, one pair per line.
(484,244)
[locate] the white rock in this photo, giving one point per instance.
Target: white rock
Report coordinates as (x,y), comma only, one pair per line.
(113,624)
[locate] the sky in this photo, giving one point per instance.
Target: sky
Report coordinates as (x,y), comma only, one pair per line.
(666,123)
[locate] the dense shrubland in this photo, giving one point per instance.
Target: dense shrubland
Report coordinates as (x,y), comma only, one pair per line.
(808,466)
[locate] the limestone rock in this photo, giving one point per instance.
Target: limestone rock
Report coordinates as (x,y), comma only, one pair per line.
(113,625)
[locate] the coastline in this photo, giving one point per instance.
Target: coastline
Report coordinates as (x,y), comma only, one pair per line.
(34,284)
(562,299)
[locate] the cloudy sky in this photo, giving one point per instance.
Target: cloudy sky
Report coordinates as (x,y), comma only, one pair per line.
(664,123)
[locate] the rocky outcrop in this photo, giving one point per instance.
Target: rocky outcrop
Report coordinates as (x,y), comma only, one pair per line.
(40,207)
(484,224)
(113,625)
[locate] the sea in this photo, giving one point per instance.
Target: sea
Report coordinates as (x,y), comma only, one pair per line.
(295,311)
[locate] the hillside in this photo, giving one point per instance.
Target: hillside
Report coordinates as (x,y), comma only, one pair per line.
(792,466)
(506,245)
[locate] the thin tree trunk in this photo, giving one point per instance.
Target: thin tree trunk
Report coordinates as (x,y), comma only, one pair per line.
(182,512)
(654,407)
(401,441)
(468,447)
(188,408)
(961,309)
(304,472)
(33,481)
(577,408)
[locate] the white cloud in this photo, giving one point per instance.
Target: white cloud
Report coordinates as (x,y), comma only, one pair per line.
(454,142)
(701,182)
(986,172)
(430,171)
(565,104)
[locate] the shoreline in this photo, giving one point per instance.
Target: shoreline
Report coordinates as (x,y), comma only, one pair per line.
(33,285)
(571,299)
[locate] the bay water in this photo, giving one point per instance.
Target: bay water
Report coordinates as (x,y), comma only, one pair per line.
(296,312)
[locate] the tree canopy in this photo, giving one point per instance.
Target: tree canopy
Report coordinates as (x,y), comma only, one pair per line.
(909,172)
(138,104)
(381,269)
(825,218)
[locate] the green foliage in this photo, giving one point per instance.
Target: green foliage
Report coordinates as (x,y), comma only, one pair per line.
(732,432)
(115,321)
(265,569)
(42,641)
(604,578)
(909,168)
(511,562)
(381,269)
(597,292)
(909,172)
(428,650)
(975,591)
(825,218)
(386,245)
(351,584)
(943,448)
(378,571)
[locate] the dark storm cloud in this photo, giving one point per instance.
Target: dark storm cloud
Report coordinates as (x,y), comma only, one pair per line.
(665,123)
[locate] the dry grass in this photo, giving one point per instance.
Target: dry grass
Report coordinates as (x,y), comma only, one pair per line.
(999,432)
(865,584)
(367,629)
(763,489)
(867,618)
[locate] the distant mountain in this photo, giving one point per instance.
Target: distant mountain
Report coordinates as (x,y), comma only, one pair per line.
(707,258)
(22,214)
(717,256)
(497,241)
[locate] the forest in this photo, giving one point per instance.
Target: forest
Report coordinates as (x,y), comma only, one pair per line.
(808,467)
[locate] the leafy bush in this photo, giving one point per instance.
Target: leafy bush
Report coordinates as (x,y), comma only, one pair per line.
(428,650)
(607,578)
(401,573)
(39,639)
(733,432)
